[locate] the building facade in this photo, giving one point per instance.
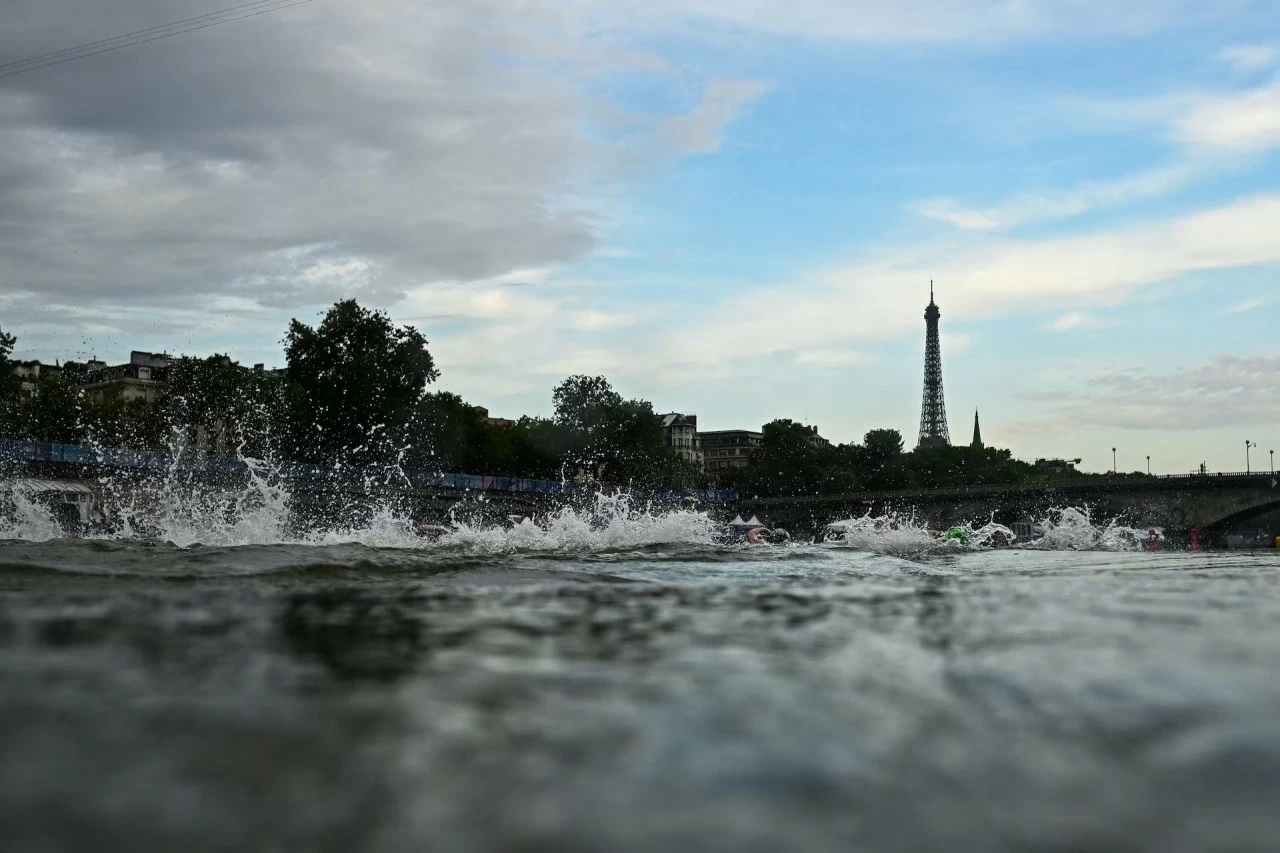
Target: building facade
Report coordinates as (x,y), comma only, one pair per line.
(274,373)
(730,448)
(143,378)
(816,440)
(1057,466)
(31,372)
(681,432)
(492,421)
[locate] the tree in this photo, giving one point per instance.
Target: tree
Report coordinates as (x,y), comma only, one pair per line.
(10,385)
(964,466)
(448,434)
(229,406)
(603,431)
(10,382)
(791,460)
(543,448)
(135,424)
(55,413)
(585,404)
(884,464)
(355,382)
(883,445)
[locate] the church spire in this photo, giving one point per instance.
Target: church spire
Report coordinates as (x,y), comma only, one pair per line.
(977,432)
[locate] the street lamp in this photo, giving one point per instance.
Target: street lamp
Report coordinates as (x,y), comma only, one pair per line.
(1113,461)
(1273,463)
(1148,465)
(1247,445)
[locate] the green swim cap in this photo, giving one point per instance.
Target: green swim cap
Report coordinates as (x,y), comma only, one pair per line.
(957,533)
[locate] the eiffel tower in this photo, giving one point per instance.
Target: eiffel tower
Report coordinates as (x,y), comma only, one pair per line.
(933,411)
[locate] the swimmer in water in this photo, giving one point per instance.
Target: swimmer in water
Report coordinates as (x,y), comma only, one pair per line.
(767,536)
(430,531)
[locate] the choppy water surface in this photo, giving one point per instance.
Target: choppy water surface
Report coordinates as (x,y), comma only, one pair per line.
(634,688)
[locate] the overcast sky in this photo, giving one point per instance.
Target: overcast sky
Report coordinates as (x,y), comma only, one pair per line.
(729,207)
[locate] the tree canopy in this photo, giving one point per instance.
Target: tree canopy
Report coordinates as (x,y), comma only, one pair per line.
(356,381)
(586,404)
(54,413)
(10,384)
(605,432)
(790,462)
(231,406)
(883,445)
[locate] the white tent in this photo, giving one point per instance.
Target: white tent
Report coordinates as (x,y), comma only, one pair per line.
(61,492)
(36,487)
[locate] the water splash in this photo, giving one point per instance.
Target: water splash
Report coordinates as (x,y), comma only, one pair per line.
(23,516)
(1065,529)
(885,534)
(906,535)
(1073,529)
(257,507)
(614,522)
(182,509)
(187,507)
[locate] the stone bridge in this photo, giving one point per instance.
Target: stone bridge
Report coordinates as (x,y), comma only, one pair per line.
(1212,502)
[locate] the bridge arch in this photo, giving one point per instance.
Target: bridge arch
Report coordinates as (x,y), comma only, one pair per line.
(1241,516)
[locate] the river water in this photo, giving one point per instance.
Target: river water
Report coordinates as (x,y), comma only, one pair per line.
(628,685)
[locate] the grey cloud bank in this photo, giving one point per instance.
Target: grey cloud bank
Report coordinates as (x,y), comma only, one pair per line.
(321,151)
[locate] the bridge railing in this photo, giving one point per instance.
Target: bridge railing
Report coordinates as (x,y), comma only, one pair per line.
(159,460)
(1196,475)
(1120,482)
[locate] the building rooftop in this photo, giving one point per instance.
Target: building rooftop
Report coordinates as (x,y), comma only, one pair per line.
(150,359)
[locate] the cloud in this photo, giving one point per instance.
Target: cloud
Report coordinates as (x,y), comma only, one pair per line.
(832,357)
(951,211)
(1245,306)
(1210,132)
(1209,126)
(325,151)
(1250,58)
(598,321)
(493,340)
(317,152)
(1226,390)
(723,102)
(1038,207)
(521,277)
(1071,321)
(1239,122)
(932,21)
(880,297)
(833,319)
